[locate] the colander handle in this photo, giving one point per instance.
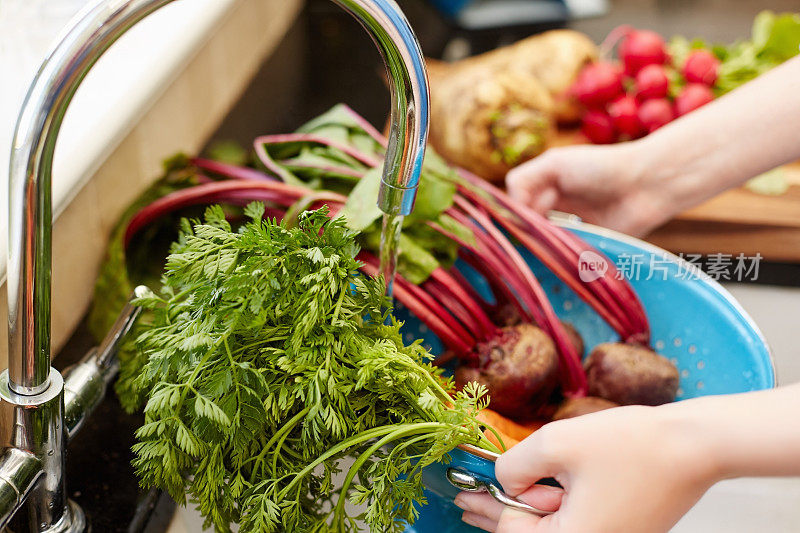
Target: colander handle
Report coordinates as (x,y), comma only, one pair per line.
(469,482)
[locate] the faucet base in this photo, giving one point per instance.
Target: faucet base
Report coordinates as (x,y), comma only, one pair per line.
(73,521)
(35,425)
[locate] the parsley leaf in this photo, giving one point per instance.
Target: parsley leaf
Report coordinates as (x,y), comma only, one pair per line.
(267,359)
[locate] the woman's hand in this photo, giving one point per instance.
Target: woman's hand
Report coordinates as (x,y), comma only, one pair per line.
(605,185)
(629,469)
(639,469)
(636,186)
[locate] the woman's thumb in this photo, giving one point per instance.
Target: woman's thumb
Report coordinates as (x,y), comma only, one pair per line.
(522,466)
(534,184)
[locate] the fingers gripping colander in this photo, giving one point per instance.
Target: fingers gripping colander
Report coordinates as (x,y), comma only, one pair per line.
(695,322)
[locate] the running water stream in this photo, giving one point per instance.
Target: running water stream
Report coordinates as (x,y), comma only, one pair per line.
(390,249)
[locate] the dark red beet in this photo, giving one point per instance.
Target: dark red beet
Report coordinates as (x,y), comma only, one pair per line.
(631,375)
(623,112)
(574,337)
(572,407)
(701,66)
(692,96)
(598,127)
(655,113)
(651,82)
(507,315)
(519,367)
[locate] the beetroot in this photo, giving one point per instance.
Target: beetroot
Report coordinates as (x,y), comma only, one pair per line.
(640,48)
(597,84)
(572,407)
(691,97)
(506,314)
(631,375)
(623,112)
(651,82)
(574,338)
(701,66)
(519,367)
(598,127)
(655,113)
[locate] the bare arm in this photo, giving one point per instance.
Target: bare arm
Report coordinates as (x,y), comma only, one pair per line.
(730,140)
(642,468)
(756,434)
(638,185)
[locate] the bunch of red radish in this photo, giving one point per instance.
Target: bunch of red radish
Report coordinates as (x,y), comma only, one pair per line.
(629,98)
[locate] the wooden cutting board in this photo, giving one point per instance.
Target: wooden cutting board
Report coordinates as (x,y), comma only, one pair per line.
(736,221)
(740,221)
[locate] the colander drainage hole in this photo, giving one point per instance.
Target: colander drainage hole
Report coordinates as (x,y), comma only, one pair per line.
(685,373)
(659,345)
(700,385)
(692,348)
(677,341)
(701,365)
(567,305)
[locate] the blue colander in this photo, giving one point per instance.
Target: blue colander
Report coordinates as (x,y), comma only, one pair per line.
(695,322)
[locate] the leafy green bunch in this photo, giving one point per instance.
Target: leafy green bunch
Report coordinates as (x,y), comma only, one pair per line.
(268,360)
(774,39)
(315,157)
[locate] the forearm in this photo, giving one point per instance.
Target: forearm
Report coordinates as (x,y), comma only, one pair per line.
(752,434)
(728,141)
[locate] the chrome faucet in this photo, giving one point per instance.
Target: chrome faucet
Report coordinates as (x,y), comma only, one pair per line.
(40,409)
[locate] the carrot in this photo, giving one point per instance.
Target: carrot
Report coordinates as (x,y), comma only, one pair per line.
(510,431)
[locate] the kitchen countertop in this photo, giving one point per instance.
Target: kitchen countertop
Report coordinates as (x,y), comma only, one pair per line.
(115,93)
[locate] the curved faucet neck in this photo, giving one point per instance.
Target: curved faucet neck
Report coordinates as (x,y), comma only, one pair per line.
(30,199)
